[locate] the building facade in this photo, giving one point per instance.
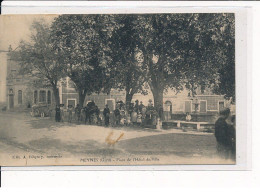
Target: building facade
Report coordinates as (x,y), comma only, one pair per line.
(69,96)
(21,92)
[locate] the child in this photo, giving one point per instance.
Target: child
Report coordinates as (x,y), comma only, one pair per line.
(139,119)
(128,119)
(122,117)
(188,117)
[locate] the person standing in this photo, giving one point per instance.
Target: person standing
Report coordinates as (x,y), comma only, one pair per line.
(70,108)
(86,110)
(139,118)
(97,112)
(57,113)
(143,112)
(128,119)
(117,116)
(77,112)
(141,106)
(188,117)
(134,117)
(131,108)
(106,114)
(122,117)
(62,112)
(232,137)
(82,114)
(222,134)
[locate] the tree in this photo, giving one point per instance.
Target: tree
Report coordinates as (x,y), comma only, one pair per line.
(81,44)
(126,72)
(38,59)
(183,50)
(225,84)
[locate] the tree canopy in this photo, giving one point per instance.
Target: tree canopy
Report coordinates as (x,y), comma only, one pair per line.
(185,50)
(100,52)
(38,59)
(126,71)
(80,42)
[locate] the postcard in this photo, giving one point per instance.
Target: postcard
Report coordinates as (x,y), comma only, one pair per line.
(118,89)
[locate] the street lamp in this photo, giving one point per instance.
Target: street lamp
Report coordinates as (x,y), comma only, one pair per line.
(196,104)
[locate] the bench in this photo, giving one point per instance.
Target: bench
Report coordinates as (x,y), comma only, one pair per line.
(198,125)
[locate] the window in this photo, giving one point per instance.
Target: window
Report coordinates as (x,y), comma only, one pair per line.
(20,97)
(42,96)
(203,106)
(168,106)
(187,106)
(111,103)
(49,97)
(11,91)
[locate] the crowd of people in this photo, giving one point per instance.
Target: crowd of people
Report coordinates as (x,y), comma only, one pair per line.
(136,114)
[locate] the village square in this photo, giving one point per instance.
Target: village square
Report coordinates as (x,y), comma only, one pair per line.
(120,86)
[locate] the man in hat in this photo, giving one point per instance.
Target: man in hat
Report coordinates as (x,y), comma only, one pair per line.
(140,106)
(117,115)
(222,131)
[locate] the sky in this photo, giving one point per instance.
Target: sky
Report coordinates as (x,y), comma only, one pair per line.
(13,29)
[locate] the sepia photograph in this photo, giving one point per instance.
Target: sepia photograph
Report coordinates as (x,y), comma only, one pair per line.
(118,89)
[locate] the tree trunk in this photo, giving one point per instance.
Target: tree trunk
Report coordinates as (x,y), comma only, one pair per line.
(82,96)
(56,95)
(158,98)
(128,99)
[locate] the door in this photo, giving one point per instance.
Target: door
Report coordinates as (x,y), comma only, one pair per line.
(72,103)
(167,110)
(11,101)
(203,106)
(187,106)
(111,104)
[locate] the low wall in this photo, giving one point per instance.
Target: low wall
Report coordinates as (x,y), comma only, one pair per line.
(209,117)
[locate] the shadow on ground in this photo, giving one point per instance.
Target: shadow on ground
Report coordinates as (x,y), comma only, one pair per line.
(184,145)
(40,123)
(21,146)
(87,147)
(135,128)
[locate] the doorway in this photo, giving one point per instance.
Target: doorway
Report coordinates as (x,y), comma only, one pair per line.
(167,110)
(71,102)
